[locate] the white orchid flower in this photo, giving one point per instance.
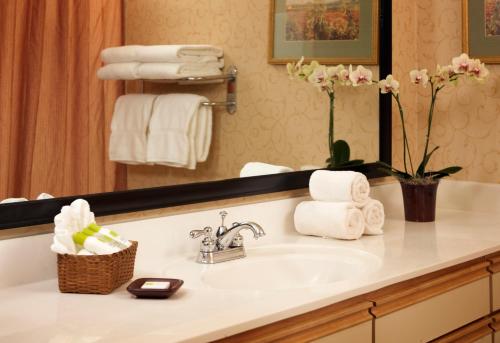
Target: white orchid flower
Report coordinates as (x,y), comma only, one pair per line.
(461,63)
(389,85)
(320,78)
(419,77)
(308,69)
(360,76)
(477,70)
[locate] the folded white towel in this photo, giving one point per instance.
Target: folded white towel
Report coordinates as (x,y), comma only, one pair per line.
(11,200)
(162,53)
(128,141)
(259,168)
(340,220)
(374,216)
(350,186)
(179,131)
(119,71)
(166,71)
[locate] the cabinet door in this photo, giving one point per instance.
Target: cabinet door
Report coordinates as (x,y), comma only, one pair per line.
(495,291)
(347,321)
(428,307)
(476,332)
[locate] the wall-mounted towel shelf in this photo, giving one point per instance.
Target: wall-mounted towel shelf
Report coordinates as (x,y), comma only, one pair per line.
(230,77)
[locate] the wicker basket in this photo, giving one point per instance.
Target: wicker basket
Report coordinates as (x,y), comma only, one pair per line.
(96,274)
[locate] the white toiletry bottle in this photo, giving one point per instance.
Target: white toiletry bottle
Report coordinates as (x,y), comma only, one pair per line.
(94,244)
(113,235)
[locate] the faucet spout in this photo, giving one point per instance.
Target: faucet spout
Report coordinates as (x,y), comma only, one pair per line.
(225,240)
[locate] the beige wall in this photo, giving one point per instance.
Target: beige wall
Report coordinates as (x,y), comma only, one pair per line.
(278,121)
(467,118)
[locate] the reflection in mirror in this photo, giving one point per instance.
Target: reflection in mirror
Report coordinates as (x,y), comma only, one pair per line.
(56,114)
(279,121)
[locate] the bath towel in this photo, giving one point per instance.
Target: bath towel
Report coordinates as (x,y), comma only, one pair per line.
(259,168)
(128,142)
(179,131)
(162,53)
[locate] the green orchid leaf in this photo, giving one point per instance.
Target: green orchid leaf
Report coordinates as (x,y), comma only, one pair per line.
(390,171)
(341,152)
(443,172)
(450,170)
(423,164)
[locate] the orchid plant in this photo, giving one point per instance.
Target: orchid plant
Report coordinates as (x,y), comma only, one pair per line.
(461,67)
(326,79)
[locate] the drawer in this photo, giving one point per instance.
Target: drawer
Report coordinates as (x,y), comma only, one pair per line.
(361,333)
(477,332)
(346,321)
(432,305)
(435,316)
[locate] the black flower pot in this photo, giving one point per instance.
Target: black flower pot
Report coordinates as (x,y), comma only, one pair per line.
(419,200)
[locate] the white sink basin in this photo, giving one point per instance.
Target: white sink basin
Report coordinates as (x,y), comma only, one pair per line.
(280,267)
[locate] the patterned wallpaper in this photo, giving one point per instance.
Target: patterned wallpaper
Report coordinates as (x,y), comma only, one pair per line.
(278,121)
(467,117)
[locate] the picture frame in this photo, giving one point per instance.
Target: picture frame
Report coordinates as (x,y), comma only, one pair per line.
(327,31)
(481,29)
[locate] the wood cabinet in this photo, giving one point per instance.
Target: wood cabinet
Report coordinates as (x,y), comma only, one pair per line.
(425,308)
(347,321)
(456,304)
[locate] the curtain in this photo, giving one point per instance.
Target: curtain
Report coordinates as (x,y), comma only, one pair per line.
(54,113)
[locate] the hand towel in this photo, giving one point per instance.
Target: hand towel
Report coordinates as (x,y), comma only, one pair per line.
(175,131)
(166,71)
(350,186)
(162,53)
(374,217)
(129,126)
(71,219)
(119,71)
(259,168)
(340,220)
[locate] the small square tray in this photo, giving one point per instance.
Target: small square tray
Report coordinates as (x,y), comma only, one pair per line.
(135,288)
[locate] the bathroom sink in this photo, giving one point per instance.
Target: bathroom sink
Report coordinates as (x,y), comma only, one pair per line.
(290,266)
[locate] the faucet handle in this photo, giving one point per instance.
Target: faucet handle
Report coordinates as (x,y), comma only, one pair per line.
(223,215)
(207,232)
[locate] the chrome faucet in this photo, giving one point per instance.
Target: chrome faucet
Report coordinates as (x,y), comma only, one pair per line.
(227,244)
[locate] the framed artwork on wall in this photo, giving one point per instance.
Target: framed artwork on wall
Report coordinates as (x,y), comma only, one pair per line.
(481,29)
(328,31)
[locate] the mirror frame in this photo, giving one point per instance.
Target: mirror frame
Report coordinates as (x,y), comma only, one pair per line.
(37,212)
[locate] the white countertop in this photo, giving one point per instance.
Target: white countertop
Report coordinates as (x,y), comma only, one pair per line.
(37,312)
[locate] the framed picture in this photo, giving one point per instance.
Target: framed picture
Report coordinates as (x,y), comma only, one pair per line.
(328,31)
(481,29)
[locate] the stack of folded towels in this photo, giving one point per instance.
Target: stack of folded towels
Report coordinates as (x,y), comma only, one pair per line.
(341,207)
(132,62)
(76,232)
(172,130)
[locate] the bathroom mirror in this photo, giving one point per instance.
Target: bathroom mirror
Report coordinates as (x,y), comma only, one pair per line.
(278,121)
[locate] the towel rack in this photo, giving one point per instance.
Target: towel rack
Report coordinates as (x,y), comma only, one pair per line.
(230,77)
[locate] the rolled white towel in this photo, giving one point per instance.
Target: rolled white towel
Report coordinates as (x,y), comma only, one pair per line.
(340,220)
(374,216)
(259,168)
(162,53)
(349,186)
(44,196)
(119,71)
